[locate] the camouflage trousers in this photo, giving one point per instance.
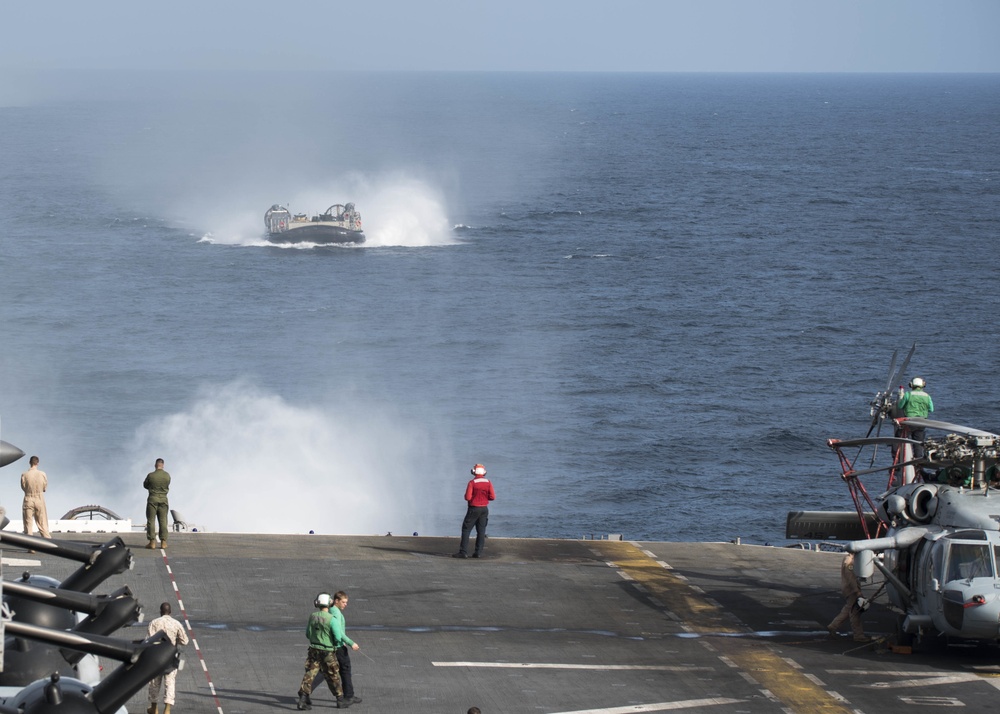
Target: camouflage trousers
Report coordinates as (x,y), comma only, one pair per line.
(326,662)
(169,682)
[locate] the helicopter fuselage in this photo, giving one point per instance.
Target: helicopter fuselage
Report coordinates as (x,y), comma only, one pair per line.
(941,556)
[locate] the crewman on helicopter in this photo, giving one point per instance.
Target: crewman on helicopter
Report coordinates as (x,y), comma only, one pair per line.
(916,403)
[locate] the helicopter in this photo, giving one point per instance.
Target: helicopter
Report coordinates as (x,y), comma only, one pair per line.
(934,530)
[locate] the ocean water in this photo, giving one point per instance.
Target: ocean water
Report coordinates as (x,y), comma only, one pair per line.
(643,301)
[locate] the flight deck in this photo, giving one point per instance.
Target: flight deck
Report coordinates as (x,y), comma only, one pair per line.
(547,626)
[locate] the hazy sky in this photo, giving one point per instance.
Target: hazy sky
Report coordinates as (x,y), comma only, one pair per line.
(506,35)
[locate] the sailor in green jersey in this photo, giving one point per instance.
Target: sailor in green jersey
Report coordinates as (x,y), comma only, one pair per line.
(345,645)
(916,403)
(324,638)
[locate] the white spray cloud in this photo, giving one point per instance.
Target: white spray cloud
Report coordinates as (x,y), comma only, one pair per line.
(242,460)
(396,210)
(406,212)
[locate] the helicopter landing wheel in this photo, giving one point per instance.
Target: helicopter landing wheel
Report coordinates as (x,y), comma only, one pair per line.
(903,638)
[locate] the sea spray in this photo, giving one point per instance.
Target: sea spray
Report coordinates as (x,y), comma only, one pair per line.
(244,460)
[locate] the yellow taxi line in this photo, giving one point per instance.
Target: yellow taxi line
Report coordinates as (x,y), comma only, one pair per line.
(752,657)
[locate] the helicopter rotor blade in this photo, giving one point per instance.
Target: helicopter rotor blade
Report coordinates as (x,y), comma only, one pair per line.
(882,405)
(841,443)
(892,367)
(877,403)
(876,421)
(921,423)
(884,399)
(902,367)
(878,411)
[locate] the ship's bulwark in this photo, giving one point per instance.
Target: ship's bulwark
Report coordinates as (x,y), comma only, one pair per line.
(537,625)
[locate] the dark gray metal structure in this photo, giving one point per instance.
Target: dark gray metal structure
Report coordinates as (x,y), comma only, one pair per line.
(340,223)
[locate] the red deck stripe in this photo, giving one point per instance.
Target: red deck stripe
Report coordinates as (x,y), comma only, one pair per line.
(187,625)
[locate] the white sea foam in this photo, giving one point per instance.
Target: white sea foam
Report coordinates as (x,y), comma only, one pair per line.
(245,460)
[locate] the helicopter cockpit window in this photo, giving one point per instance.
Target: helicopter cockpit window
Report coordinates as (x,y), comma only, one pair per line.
(967,535)
(969,560)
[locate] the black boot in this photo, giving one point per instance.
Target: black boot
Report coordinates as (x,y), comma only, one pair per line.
(304,703)
(343,703)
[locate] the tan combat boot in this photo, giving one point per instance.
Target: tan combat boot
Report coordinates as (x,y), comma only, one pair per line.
(150,545)
(163,544)
(166,707)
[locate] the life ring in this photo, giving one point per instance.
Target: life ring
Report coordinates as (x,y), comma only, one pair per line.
(93,512)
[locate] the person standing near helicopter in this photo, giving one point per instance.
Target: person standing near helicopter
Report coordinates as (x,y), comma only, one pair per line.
(916,403)
(854,601)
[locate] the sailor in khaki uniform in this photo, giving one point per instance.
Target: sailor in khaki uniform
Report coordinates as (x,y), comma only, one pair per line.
(854,601)
(33,483)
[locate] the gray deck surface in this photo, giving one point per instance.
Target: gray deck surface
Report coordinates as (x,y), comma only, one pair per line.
(537,626)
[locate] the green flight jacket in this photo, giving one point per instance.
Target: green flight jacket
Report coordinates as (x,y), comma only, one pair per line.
(916,403)
(157,483)
(320,632)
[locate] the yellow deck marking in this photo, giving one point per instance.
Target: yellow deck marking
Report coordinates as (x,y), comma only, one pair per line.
(753,657)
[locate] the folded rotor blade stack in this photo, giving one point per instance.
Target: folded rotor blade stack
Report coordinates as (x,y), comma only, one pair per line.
(884,402)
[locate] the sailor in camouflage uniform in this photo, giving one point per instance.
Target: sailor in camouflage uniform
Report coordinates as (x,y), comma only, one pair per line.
(175,631)
(322,655)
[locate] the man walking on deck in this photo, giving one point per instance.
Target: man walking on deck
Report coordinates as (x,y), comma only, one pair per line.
(324,639)
(344,646)
(175,631)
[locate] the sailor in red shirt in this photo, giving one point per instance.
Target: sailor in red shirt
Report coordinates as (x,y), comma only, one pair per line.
(478,493)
